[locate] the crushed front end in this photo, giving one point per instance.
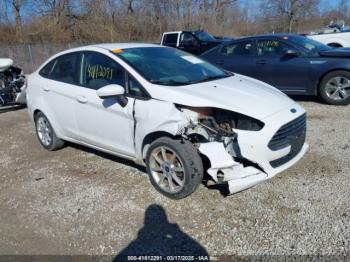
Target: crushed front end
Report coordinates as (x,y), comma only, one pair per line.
(244,151)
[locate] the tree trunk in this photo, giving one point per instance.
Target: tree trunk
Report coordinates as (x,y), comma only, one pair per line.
(17,9)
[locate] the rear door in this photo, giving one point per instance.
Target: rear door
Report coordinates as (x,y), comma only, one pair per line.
(238,57)
(287,73)
(59,90)
(103,123)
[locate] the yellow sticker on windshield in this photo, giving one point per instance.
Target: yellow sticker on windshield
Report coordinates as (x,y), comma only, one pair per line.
(117,51)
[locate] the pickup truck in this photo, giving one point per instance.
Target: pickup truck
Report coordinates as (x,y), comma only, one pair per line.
(195,42)
(334,38)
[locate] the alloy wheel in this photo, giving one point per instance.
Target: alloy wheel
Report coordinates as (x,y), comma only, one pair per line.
(44,131)
(338,88)
(167,169)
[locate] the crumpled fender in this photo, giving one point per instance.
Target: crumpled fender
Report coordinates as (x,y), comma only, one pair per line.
(157,116)
(153,115)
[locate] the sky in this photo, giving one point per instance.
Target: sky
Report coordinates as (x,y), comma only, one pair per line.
(330,3)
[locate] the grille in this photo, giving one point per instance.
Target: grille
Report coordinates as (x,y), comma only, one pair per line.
(288,133)
(296,146)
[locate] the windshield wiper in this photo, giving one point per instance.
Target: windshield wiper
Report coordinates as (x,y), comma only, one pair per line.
(169,82)
(179,83)
(209,78)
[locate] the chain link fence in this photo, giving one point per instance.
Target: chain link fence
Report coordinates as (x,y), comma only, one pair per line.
(30,56)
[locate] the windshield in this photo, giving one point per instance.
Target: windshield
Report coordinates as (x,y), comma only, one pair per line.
(204,36)
(170,66)
(309,44)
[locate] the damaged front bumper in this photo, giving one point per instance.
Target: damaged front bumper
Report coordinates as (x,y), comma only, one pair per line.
(252,162)
(225,169)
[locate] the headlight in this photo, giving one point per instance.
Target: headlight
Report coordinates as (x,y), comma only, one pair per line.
(226,120)
(244,122)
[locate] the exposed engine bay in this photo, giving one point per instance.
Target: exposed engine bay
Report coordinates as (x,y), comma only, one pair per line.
(215,124)
(213,133)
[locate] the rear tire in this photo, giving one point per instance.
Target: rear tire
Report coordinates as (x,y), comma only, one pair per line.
(174,167)
(46,134)
(334,88)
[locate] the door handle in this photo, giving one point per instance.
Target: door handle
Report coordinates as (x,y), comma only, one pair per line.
(46,89)
(82,99)
(220,62)
(261,62)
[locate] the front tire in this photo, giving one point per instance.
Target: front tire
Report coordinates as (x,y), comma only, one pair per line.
(335,88)
(46,134)
(174,167)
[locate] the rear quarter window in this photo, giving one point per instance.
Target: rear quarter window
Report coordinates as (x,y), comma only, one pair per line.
(46,70)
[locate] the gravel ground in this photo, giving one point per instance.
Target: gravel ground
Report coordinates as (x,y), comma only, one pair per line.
(79,201)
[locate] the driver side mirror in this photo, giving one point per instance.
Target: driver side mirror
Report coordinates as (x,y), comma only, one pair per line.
(291,52)
(111,91)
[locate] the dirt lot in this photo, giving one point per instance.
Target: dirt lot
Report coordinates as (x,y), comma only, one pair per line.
(79,201)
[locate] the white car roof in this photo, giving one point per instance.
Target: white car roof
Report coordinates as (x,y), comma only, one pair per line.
(114,46)
(98,47)
(110,47)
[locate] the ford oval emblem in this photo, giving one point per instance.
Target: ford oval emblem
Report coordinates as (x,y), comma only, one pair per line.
(293,110)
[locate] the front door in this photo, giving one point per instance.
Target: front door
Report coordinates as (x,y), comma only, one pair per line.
(103,122)
(289,73)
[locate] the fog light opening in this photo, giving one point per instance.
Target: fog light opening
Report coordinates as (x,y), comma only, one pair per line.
(220,176)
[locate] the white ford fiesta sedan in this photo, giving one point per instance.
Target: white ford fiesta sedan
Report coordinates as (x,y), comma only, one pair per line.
(170,111)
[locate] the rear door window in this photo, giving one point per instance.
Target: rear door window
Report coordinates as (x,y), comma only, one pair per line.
(98,70)
(240,48)
(64,69)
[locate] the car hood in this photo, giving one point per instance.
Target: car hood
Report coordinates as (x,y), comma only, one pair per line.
(238,93)
(336,52)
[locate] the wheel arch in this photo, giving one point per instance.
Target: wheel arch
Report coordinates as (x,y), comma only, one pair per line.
(335,44)
(149,138)
(36,111)
(51,119)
